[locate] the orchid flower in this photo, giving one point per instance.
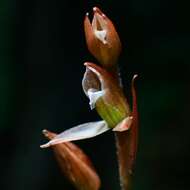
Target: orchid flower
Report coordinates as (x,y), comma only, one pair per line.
(107,97)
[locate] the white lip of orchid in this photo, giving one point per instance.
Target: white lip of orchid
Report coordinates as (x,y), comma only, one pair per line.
(87,130)
(94,95)
(101,33)
(83,131)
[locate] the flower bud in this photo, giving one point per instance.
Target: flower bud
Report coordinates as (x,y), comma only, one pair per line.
(102,39)
(75,165)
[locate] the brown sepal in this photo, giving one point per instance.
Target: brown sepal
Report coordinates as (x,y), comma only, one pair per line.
(75,165)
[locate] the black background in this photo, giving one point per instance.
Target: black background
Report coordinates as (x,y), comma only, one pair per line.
(42,50)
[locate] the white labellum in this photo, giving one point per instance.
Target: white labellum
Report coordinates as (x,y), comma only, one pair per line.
(94,95)
(83,131)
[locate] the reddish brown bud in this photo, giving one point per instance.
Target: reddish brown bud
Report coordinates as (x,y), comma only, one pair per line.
(102,39)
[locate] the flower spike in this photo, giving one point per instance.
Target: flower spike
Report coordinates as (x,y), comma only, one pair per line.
(102,85)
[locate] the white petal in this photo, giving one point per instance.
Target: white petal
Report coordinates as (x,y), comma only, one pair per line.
(101,35)
(99,27)
(124,125)
(83,131)
(94,96)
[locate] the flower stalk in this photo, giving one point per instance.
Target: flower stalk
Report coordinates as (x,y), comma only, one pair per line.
(126,143)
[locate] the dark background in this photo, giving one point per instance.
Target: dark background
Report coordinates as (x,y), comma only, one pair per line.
(42,50)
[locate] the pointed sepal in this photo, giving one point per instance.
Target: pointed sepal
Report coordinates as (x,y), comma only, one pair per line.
(75,165)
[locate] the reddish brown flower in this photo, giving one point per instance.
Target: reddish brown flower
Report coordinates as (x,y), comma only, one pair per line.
(105,94)
(102,39)
(107,97)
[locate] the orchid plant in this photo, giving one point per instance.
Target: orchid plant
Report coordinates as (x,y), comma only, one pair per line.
(102,85)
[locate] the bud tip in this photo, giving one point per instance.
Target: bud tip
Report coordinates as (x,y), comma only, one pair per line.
(45,145)
(94,9)
(135,76)
(45,132)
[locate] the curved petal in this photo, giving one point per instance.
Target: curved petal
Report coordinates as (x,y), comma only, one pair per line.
(83,131)
(92,87)
(90,81)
